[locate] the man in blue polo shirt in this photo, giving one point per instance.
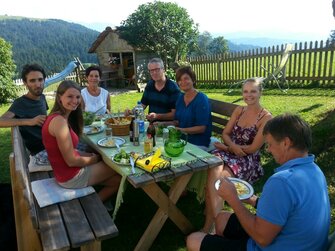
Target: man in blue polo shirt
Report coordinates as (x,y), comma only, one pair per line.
(160,94)
(293,212)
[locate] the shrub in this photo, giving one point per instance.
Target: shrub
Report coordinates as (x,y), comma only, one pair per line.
(8,90)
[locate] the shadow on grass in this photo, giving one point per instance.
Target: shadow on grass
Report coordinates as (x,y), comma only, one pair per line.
(323,133)
(237,100)
(312,107)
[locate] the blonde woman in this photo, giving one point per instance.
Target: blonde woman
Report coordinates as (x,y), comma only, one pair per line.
(242,139)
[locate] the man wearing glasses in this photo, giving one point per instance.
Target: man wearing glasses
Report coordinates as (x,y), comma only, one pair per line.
(29,111)
(160,94)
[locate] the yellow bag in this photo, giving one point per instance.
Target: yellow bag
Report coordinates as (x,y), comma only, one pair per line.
(153,162)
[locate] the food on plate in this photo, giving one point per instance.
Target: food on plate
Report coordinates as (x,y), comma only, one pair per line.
(123,157)
(95,129)
(109,142)
(118,121)
(241,188)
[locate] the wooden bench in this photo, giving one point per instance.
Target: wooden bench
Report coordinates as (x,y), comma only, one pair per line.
(82,222)
(221,111)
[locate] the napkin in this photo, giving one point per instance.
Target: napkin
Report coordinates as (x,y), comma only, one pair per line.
(152,163)
(39,162)
(48,192)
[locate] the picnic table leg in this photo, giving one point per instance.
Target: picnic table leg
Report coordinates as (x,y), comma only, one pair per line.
(167,208)
(92,246)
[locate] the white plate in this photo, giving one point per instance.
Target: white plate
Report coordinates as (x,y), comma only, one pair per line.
(104,142)
(249,190)
(88,130)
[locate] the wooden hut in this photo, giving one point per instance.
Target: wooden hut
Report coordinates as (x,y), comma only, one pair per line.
(121,63)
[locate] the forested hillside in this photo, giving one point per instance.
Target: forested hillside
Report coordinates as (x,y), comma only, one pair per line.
(49,42)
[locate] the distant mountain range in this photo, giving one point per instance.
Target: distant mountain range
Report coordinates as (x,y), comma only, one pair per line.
(51,43)
(270,38)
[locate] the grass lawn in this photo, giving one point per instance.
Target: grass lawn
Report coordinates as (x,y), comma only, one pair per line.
(316,106)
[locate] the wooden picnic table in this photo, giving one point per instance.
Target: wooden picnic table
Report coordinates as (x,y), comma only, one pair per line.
(180,175)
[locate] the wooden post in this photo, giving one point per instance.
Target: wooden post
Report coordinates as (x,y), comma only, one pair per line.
(325,64)
(314,58)
(320,62)
(304,63)
(218,62)
(26,235)
(331,64)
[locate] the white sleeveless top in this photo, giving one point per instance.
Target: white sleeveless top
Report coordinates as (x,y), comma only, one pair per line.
(93,103)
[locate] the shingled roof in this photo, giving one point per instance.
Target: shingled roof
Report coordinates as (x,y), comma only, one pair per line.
(100,38)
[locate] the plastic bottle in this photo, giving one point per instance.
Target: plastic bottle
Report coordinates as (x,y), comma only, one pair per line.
(139,116)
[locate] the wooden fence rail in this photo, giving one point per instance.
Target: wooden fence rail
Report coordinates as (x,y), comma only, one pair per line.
(72,76)
(309,62)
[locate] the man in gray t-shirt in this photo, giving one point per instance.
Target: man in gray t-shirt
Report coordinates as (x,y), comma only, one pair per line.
(29,111)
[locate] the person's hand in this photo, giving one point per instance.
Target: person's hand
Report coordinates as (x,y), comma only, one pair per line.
(227,190)
(251,201)
(38,120)
(128,112)
(180,129)
(96,157)
(238,151)
(221,146)
(151,116)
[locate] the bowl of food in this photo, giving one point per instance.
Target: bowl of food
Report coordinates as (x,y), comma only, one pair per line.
(89,118)
(119,125)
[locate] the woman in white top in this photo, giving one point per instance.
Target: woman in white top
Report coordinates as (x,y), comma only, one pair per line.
(95,98)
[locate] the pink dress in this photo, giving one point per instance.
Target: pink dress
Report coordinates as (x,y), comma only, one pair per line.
(247,167)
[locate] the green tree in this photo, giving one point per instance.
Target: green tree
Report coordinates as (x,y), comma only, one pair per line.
(202,45)
(207,45)
(162,28)
(7,68)
(218,45)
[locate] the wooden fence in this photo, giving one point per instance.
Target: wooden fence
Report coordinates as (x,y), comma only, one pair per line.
(309,62)
(72,76)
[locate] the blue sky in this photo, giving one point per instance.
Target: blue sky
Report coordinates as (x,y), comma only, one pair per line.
(271,18)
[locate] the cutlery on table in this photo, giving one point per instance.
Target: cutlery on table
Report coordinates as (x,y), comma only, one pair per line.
(117,146)
(131,159)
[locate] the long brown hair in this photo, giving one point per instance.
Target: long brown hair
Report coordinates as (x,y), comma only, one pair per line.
(75,119)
